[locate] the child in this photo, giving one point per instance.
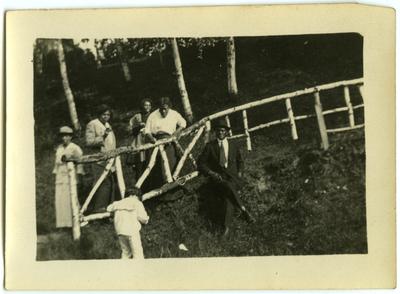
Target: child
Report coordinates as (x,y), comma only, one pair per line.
(129,214)
(62,193)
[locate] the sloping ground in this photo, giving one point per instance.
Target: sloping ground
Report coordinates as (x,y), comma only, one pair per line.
(306,201)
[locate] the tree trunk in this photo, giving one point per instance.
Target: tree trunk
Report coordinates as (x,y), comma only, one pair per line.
(231,67)
(181,81)
(99,53)
(67,88)
(124,63)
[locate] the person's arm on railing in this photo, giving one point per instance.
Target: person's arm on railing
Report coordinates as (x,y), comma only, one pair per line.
(150,138)
(181,123)
(77,153)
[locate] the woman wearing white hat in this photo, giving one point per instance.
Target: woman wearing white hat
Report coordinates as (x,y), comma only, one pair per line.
(62,196)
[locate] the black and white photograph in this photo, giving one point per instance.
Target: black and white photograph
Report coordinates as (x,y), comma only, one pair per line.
(199,147)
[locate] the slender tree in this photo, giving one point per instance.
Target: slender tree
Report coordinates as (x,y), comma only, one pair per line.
(231,67)
(181,81)
(67,88)
(99,53)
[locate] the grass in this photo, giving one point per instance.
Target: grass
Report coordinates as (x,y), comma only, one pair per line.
(306,201)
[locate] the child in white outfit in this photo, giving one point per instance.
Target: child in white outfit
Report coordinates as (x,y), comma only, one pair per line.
(129,215)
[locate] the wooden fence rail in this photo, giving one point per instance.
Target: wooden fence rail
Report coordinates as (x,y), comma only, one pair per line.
(186,153)
(101,156)
(76,228)
(97,184)
(202,128)
(148,169)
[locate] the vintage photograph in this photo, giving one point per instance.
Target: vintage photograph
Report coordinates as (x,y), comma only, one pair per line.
(221,146)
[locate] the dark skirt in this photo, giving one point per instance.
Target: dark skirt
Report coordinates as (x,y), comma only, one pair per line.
(156,177)
(108,191)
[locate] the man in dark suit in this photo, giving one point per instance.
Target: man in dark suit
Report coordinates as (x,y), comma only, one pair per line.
(222,162)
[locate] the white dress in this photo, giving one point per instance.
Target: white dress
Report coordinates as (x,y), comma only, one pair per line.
(62,190)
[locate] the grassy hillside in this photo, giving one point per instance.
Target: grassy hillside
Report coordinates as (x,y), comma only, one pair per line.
(306,201)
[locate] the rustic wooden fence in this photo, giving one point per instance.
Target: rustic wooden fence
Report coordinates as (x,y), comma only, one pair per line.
(173,178)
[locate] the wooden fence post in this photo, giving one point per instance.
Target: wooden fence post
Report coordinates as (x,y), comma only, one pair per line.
(120,176)
(148,169)
(321,121)
(291,118)
(97,185)
(361,90)
(228,123)
(165,165)
(76,226)
(246,130)
(180,149)
(207,132)
(186,153)
(349,106)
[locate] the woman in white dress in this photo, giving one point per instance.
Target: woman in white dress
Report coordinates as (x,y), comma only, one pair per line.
(62,189)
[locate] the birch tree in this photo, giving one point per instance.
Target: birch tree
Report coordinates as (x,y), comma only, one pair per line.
(181,81)
(99,53)
(231,67)
(67,88)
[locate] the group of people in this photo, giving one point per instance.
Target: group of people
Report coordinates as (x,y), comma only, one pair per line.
(221,161)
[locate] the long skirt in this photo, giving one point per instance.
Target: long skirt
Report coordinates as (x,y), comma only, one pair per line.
(63,205)
(108,191)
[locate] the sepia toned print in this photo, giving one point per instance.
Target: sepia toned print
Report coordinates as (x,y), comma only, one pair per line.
(247,155)
(289,110)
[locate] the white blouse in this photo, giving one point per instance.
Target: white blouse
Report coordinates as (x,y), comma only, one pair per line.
(129,214)
(168,124)
(60,167)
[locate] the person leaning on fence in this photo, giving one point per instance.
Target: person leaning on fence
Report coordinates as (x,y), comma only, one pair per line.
(99,138)
(136,127)
(129,214)
(163,123)
(222,162)
(62,194)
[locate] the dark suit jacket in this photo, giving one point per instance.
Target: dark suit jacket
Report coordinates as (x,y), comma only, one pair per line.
(209,161)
